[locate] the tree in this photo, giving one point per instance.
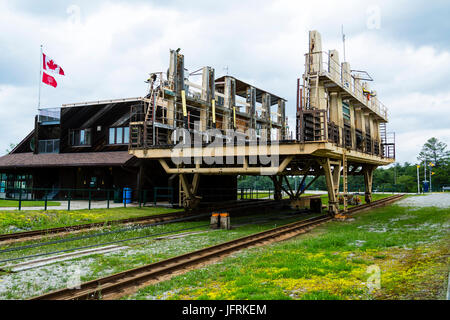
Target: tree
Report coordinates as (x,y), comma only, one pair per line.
(407,183)
(434,150)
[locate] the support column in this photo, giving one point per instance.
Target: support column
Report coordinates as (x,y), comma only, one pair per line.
(337,177)
(191,200)
(345,180)
(336,113)
(333,205)
(353,126)
(229,102)
(371,120)
(368,178)
(208,94)
(266,101)
(360,124)
(251,108)
(278,196)
(282,119)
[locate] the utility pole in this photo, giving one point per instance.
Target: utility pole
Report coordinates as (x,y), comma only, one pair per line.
(431,173)
(418,179)
(40,79)
(425,172)
(431,189)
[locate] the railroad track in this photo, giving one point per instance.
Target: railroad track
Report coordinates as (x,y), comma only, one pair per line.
(373,205)
(36,234)
(129,281)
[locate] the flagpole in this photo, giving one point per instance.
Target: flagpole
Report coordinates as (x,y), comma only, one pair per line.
(40,79)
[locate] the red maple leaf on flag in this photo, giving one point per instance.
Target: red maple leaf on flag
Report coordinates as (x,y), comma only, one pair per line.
(51,65)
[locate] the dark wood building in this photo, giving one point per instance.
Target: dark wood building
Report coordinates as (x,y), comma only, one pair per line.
(85,146)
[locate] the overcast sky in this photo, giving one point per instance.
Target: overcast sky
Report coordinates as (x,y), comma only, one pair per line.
(107,49)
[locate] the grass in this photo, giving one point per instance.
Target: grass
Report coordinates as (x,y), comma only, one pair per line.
(16,221)
(138,252)
(408,246)
(15,203)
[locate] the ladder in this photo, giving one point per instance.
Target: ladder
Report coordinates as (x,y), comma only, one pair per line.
(150,134)
(383,137)
(383,132)
(345,180)
(135,137)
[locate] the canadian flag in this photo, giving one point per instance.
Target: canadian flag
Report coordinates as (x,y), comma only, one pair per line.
(50,65)
(49,80)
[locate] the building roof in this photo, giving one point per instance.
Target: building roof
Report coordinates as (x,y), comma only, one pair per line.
(30,160)
(99,102)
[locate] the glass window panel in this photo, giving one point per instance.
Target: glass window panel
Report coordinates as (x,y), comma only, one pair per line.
(112,137)
(87,136)
(119,135)
(82,137)
(76,138)
(126,135)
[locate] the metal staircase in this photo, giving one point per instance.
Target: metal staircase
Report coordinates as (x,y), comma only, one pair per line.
(387,142)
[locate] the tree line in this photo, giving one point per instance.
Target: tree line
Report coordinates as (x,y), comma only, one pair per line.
(396,178)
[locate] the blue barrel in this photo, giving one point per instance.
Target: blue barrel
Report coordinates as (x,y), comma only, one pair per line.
(303,186)
(127,194)
(426,186)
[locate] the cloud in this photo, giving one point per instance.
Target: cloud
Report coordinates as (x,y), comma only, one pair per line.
(107,49)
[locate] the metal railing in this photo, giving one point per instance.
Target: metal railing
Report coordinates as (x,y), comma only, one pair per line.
(74,199)
(313,127)
(322,64)
(49,115)
(254,193)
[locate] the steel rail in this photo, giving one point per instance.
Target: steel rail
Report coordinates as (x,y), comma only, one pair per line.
(31,235)
(373,205)
(118,283)
(97,288)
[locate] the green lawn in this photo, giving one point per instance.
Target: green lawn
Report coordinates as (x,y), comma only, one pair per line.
(137,252)
(409,247)
(14,221)
(15,203)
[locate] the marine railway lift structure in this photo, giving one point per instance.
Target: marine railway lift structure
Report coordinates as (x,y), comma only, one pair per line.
(340,127)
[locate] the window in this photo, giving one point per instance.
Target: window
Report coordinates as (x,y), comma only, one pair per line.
(112,135)
(12,182)
(49,146)
(119,135)
(80,137)
(3,180)
(346,111)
